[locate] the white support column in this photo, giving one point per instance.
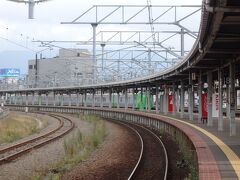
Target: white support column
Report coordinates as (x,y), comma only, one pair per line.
(190,98)
(200,97)
(157,99)
(209,98)
(182,100)
(220,100)
(233,97)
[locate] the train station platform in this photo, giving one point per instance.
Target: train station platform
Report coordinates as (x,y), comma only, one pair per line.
(225,148)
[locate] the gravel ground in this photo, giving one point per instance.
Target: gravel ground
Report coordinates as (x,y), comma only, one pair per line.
(114,159)
(39,159)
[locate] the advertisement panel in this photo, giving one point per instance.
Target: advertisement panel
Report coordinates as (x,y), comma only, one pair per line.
(215,108)
(9,72)
(170,103)
(204,106)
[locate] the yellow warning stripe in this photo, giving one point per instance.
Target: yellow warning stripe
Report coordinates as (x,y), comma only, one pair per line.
(232,157)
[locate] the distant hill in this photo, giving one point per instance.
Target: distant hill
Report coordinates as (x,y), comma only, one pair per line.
(15,59)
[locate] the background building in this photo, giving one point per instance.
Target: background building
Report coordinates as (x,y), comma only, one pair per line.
(71,68)
(9,78)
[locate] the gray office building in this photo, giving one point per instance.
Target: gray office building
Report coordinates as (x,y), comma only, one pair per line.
(72,67)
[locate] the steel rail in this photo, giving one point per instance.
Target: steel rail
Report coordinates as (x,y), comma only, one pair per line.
(162,144)
(32,139)
(141,154)
(142,147)
(30,147)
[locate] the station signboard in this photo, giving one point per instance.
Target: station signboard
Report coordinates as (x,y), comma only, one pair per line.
(170,103)
(9,72)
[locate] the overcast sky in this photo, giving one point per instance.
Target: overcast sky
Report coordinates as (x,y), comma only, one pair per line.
(46,25)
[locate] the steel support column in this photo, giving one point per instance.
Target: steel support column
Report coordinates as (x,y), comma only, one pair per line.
(133,99)
(165,102)
(69,99)
(233,97)
(46,99)
(118,99)
(61,99)
(228,100)
(110,99)
(93,98)
(39,99)
(126,99)
(54,99)
(148,107)
(21,99)
(190,97)
(182,42)
(103,71)
(157,99)
(94,26)
(101,99)
(141,106)
(209,98)
(33,98)
(220,100)
(177,100)
(174,99)
(26,99)
(77,99)
(85,98)
(15,98)
(200,97)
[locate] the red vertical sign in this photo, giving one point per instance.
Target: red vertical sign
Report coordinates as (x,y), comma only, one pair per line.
(170,103)
(204,106)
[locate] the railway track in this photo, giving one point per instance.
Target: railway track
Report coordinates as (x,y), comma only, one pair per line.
(153,160)
(12,152)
